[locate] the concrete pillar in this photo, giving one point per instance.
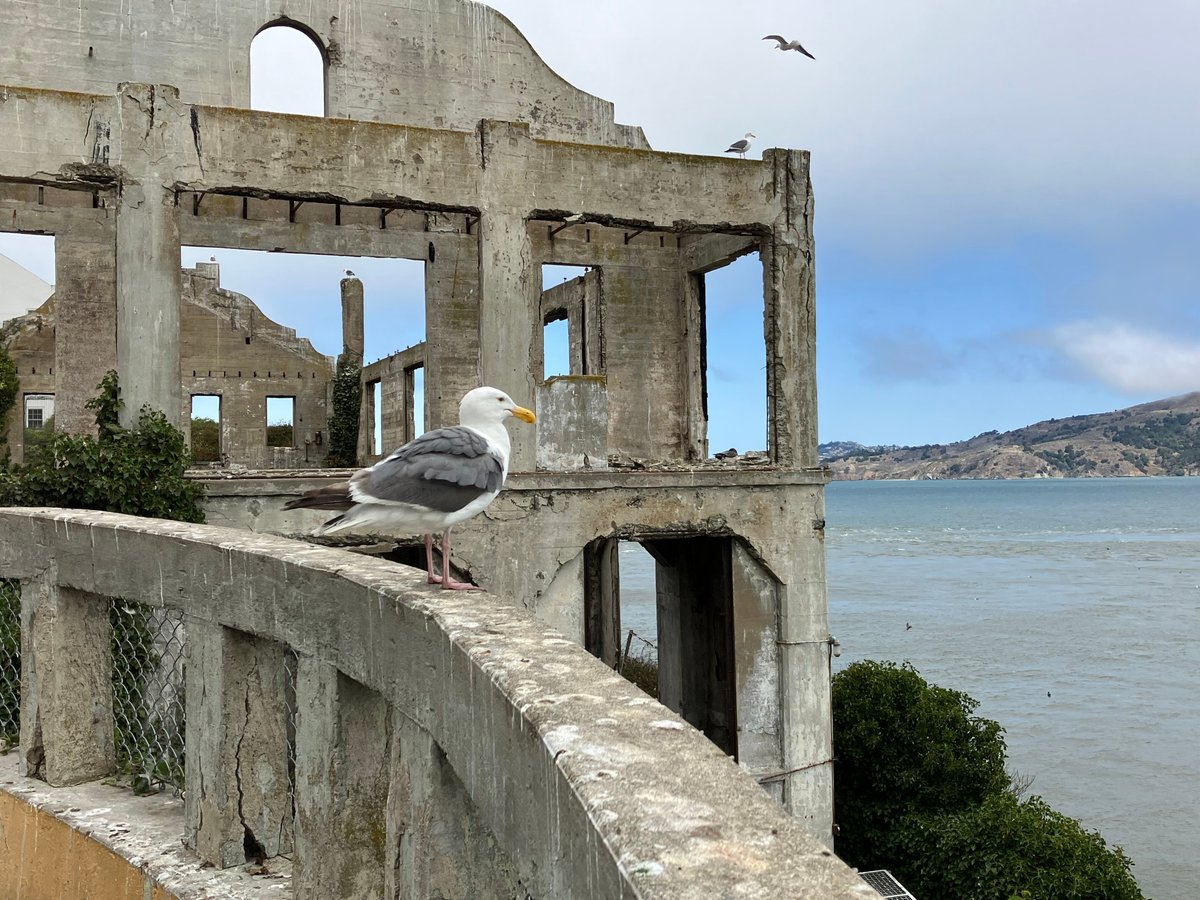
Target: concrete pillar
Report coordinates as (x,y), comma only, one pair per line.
(66,684)
(452,328)
(343,753)
(756,657)
(602,590)
(789,289)
(85,325)
(237,808)
(353,327)
(804,674)
(147,274)
(436,845)
(695,409)
(509,287)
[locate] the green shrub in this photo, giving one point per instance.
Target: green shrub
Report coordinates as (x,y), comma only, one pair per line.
(920,789)
(343,417)
(280,435)
(905,746)
(8,398)
(1004,847)
(206,440)
(137,471)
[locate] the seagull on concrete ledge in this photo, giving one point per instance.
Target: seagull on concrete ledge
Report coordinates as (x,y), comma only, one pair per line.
(785,44)
(432,483)
(740,147)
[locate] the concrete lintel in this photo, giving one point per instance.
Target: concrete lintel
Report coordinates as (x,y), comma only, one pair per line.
(66,683)
(313,237)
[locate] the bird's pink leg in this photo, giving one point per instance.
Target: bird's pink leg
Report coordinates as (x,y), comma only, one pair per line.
(434,577)
(448,583)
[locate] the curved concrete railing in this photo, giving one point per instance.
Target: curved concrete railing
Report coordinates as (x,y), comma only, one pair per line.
(569,780)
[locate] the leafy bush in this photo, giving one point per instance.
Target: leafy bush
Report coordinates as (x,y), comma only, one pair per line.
(280,435)
(905,746)
(138,471)
(1003,847)
(343,418)
(8,398)
(206,440)
(920,789)
(36,440)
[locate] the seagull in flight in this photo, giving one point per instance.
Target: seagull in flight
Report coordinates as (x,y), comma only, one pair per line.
(740,147)
(785,44)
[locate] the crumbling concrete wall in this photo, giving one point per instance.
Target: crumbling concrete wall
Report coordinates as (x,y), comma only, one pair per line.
(439,64)
(441,121)
(229,348)
(573,782)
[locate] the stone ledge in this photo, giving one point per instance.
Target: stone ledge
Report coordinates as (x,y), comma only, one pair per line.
(144,833)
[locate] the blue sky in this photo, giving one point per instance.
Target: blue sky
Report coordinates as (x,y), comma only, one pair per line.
(1007,200)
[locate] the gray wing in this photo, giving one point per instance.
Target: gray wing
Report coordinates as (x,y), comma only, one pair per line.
(443,470)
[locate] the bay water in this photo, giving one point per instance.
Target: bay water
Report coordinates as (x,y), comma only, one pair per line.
(1069,608)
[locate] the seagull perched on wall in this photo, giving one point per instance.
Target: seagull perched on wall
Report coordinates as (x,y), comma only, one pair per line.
(349,274)
(432,483)
(740,147)
(785,44)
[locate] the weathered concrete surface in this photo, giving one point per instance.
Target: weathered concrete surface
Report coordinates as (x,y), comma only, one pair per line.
(528,544)
(238,808)
(66,683)
(589,787)
(459,62)
(103,842)
(572,423)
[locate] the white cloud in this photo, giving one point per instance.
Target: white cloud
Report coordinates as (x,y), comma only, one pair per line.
(1131,359)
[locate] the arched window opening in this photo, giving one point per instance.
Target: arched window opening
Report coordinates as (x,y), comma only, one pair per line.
(287,72)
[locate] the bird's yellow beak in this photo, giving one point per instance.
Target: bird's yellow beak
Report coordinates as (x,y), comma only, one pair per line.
(525,415)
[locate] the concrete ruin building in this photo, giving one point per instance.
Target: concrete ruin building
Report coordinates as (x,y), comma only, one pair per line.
(229,351)
(126,132)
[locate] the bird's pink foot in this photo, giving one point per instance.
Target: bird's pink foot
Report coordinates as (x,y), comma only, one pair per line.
(450,584)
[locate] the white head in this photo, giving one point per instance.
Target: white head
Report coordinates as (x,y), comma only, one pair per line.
(490,406)
(750,134)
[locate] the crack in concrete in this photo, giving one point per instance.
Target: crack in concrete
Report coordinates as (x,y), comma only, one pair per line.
(250,844)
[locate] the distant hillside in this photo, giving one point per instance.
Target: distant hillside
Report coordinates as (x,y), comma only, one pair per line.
(1159,438)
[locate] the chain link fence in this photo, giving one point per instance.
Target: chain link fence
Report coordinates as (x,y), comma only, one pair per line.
(10,664)
(639,662)
(148,695)
(290,665)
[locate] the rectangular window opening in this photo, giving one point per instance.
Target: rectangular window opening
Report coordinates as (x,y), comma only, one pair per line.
(38,419)
(376,399)
(205,428)
(296,313)
(563,313)
(735,357)
(281,431)
(416,395)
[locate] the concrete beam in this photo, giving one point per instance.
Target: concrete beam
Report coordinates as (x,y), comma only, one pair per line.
(66,683)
